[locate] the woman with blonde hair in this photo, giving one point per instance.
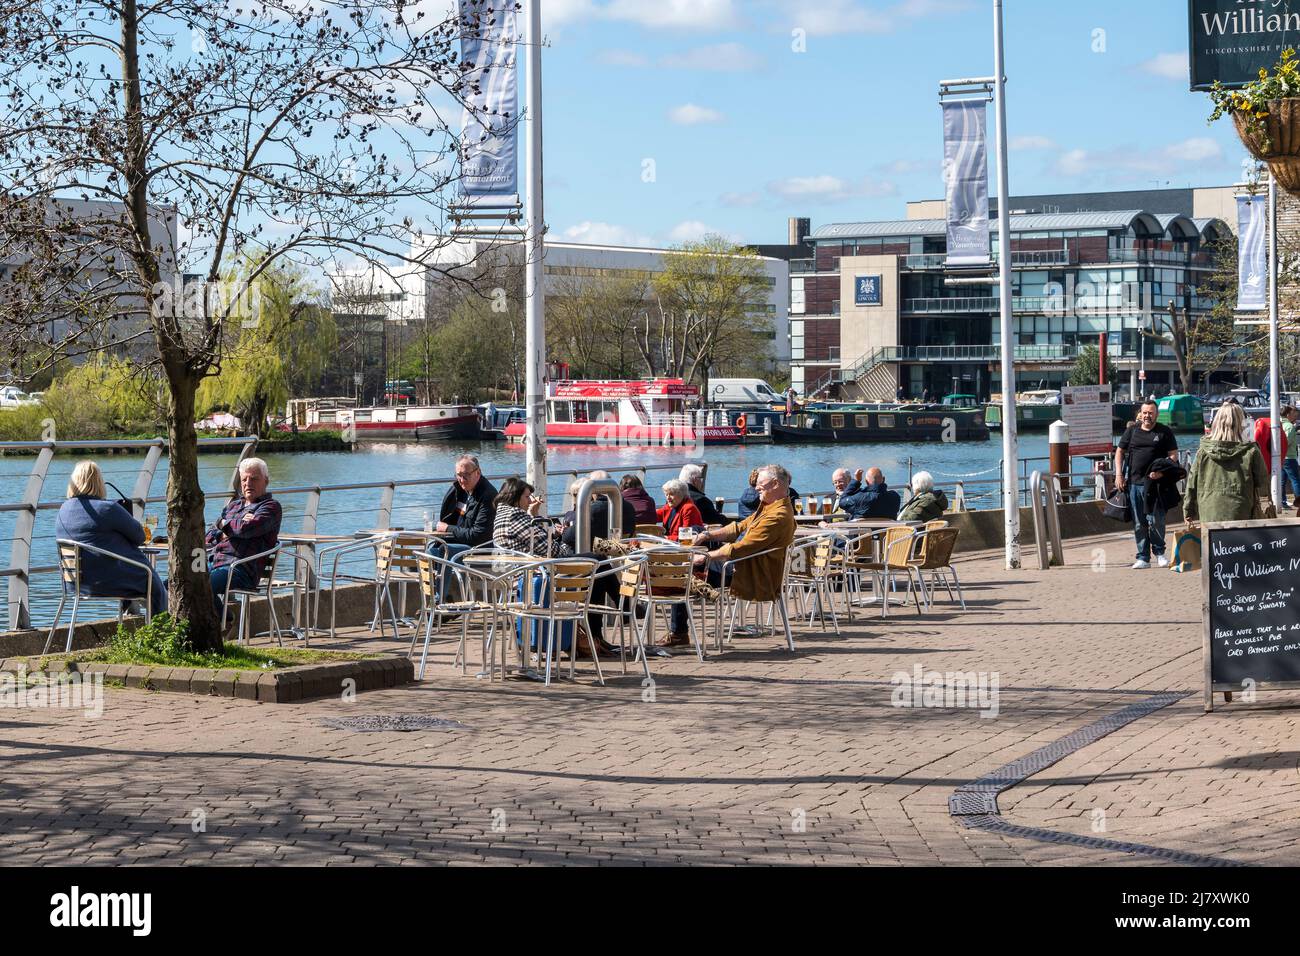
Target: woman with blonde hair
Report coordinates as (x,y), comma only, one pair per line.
(87,518)
(1229,476)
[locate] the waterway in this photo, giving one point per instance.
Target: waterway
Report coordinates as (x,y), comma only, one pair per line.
(977,463)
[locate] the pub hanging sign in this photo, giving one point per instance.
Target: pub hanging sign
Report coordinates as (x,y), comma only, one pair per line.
(1232,40)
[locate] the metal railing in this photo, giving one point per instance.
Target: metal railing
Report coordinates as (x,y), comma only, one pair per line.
(302,502)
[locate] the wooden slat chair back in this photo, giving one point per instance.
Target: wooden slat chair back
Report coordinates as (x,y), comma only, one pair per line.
(68,570)
(570,586)
(938,549)
(399,557)
(654,530)
(897,548)
(668,573)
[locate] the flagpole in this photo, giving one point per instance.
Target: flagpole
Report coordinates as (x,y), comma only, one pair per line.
(1274,362)
(1010,454)
(534,251)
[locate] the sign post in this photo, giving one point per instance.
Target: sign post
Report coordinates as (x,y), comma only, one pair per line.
(1250,606)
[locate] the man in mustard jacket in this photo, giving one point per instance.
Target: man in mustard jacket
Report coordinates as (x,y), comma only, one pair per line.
(769,529)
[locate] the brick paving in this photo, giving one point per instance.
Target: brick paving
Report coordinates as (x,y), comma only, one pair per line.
(755,756)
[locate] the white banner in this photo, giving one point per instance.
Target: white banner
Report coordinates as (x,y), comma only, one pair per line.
(966,171)
(489,140)
(1252,256)
(1087,410)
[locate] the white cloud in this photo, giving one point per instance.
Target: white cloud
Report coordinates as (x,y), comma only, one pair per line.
(688,114)
(722,58)
(1171,66)
(1031,142)
(832,17)
(740,200)
(1166,161)
(607,234)
(556,12)
(690,14)
(692,230)
(825,188)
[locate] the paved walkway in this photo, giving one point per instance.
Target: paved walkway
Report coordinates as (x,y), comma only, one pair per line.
(754,756)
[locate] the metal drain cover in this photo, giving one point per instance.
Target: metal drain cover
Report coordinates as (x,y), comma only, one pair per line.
(401,723)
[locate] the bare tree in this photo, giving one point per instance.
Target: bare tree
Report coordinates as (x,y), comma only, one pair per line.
(144,139)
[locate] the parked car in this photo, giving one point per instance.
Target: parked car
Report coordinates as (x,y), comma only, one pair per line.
(11,396)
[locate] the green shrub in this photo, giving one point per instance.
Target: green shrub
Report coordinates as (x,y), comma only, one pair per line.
(164,640)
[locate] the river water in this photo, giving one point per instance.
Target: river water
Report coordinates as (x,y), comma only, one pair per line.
(348,510)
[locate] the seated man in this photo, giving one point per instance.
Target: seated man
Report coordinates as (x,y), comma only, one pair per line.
(872,500)
(249,524)
(840,481)
(693,475)
(749,498)
(770,527)
(467,511)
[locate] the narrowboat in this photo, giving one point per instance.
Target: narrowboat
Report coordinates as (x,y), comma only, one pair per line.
(883,423)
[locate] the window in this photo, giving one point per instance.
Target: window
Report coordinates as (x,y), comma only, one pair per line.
(560,412)
(837,421)
(860,421)
(885,421)
(363,415)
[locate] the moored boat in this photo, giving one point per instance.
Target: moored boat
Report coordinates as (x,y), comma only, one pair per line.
(385,422)
(629,412)
(882,423)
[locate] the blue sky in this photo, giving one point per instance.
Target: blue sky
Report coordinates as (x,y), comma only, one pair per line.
(744,131)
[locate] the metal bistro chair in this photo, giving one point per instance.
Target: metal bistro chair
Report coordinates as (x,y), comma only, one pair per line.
(263,588)
(563,598)
(667,581)
(471,581)
(896,554)
(729,601)
(397,560)
(337,553)
(70,573)
(813,578)
(936,557)
(628,572)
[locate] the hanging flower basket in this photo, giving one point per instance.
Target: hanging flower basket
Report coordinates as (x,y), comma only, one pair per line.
(1266,113)
(1274,139)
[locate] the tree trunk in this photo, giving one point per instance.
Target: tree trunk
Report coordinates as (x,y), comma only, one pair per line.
(189,588)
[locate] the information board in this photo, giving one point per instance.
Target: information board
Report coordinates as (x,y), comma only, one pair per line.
(1087,410)
(1250,584)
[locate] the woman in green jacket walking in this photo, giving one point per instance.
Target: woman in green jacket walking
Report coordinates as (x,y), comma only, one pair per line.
(1230,476)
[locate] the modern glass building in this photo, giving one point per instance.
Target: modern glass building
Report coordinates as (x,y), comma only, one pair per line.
(871,309)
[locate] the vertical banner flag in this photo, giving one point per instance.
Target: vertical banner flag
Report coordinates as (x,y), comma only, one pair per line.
(1252,257)
(489,146)
(966,170)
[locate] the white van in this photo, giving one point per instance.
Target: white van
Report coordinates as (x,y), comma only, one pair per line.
(741,391)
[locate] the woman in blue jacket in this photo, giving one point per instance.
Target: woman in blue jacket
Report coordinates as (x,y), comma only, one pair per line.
(87,518)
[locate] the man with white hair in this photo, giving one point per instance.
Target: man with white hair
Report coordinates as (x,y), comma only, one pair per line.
(467,511)
(693,475)
(249,524)
(927,502)
(760,540)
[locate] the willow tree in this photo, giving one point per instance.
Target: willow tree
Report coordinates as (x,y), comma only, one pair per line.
(147,142)
(285,347)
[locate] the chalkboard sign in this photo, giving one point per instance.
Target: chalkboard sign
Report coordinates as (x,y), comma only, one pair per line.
(1250,577)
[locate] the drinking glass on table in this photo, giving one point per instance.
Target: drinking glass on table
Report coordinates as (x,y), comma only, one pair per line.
(686,537)
(828,505)
(812,506)
(150,526)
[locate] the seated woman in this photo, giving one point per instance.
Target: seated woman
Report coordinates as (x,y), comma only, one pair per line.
(519,526)
(87,518)
(642,504)
(680,512)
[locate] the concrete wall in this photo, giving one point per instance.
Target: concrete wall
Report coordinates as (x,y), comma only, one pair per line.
(982,530)
(355,607)
(866,328)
